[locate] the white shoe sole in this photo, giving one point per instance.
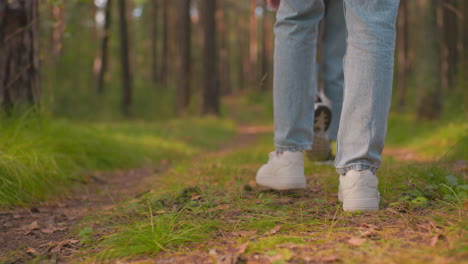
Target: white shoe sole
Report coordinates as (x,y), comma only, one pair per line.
(298,184)
(361,204)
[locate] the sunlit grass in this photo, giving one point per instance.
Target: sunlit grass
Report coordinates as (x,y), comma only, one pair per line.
(222,194)
(151,234)
(446,139)
(201,202)
(40,157)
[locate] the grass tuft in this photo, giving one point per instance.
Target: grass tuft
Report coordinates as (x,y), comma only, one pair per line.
(154,233)
(40,157)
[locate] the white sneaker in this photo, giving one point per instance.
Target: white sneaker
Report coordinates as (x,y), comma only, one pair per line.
(358,190)
(321,148)
(340,193)
(283,171)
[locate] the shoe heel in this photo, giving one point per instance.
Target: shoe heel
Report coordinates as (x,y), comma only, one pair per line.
(361,204)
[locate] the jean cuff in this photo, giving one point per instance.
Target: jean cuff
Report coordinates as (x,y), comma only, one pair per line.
(357,166)
(293,148)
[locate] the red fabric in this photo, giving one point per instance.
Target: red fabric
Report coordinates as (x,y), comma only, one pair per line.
(273,4)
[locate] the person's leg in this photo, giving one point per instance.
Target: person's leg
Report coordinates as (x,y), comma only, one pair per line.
(368,75)
(295,52)
(334,48)
(296,31)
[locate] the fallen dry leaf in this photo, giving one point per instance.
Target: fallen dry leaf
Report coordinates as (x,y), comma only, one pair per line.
(356,241)
(32,252)
(51,229)
(196,197)
(331,259)
(435,239)
(273,231)
(232,256)
(371,233)
(69,242)
(252,184)
(33,226)
(371,226)
(254,262)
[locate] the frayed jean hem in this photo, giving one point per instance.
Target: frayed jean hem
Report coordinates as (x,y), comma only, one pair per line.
(293,148)
(358,167)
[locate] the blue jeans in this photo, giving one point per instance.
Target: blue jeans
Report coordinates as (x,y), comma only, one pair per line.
(368,72)
(333,51)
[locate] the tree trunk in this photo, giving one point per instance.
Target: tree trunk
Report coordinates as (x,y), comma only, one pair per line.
(450,39)
(153,5)
(253,47)
(462,19)
(58,14)
(242,60)
(125,59)
(465,36)
(211,93)
(165,44)
(105,47)
(402,53)
(264,62)
(223,35)
(443,47)
(269,44)
(429,62)
(19,53)
(183,87)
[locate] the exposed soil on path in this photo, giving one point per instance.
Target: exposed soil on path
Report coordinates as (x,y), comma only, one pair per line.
(46,231)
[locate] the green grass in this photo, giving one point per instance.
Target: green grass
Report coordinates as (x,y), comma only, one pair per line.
(211,200)
(38,154)
(157,233)
(207,202)
(215,207)
(446,139)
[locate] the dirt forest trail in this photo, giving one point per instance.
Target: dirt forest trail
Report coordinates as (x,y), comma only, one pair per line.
(254,227)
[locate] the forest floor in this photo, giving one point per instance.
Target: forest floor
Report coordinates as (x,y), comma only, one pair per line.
(207,209)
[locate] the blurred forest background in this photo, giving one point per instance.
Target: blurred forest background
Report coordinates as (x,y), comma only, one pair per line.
(154,60)
(169,103)
(103,85)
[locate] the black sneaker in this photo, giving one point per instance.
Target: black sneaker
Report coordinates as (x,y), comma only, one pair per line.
(321,149)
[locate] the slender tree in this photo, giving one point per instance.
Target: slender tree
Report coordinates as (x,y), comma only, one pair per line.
(264,50)
(450,39)
(428,62)
(464,47)
(153,6)
(402,53)
(243,65)
(19,53)
(211,93)
(223,40)
(104,47)
(184,28)
(58,28)
(165,43)
(125,59)
(253,47)
(443,47)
